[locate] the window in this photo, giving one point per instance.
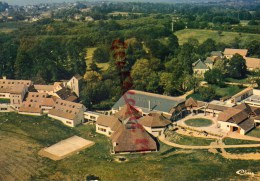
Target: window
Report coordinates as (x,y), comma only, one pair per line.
(102,129)
(68,122)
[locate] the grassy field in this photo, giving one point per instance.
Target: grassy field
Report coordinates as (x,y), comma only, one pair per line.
(227,91)
(189,140)
(90,51)
(255,132)
(231,141)
(21,137)
(202,35)
(198,122)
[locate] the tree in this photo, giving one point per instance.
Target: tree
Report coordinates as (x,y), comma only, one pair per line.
(101,54)
(93,66)
(222,65)
(254,48)
(173,43)
(237,67)
(214,76)
(207,93)
(144,78)
(207,46)
(92,76)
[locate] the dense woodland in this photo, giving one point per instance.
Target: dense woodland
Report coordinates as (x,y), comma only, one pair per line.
(50,50)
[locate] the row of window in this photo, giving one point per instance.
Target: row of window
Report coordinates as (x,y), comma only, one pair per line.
(14,83)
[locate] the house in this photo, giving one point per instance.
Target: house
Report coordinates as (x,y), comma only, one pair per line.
(106,125)
(125,132)
(91,116)
(155,123)
(216,54)
(252,63)
(146,103)
(69,113)
(229,52)
(132,138)
(66,94)
(238,119)
(75,84)
(199,68)
(36,104)
(209,62)
(50,89)
(14,91)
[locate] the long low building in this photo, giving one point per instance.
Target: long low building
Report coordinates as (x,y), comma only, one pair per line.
(146,103)
(69,113)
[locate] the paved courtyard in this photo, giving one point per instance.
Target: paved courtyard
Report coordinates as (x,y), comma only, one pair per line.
(213,129)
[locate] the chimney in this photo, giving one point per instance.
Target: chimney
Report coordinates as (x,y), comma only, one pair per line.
(149,105)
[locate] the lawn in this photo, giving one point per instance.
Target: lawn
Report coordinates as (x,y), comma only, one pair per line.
(189,140)
(198,122)
(242,150)
(255,132)
(21,137)
(227,91)
(88,58)
(202,35)
(231,141)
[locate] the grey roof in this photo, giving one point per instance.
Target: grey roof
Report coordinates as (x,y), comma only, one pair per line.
(141,99)
(209,60)
(200,65)
(247,125)
(216,53)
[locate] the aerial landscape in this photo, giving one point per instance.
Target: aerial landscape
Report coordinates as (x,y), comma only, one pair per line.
(129,90)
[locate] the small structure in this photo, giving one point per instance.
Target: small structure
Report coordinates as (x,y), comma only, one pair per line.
(75,84)
(91,116)
(65,148)
(242,95)
(69,113)
(155,123)
(194,105)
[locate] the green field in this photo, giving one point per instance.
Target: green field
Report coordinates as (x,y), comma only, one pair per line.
(202,35)
(227,91)
(198,122)
(255,132)
(231,141)
(21,137)
(189,140)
